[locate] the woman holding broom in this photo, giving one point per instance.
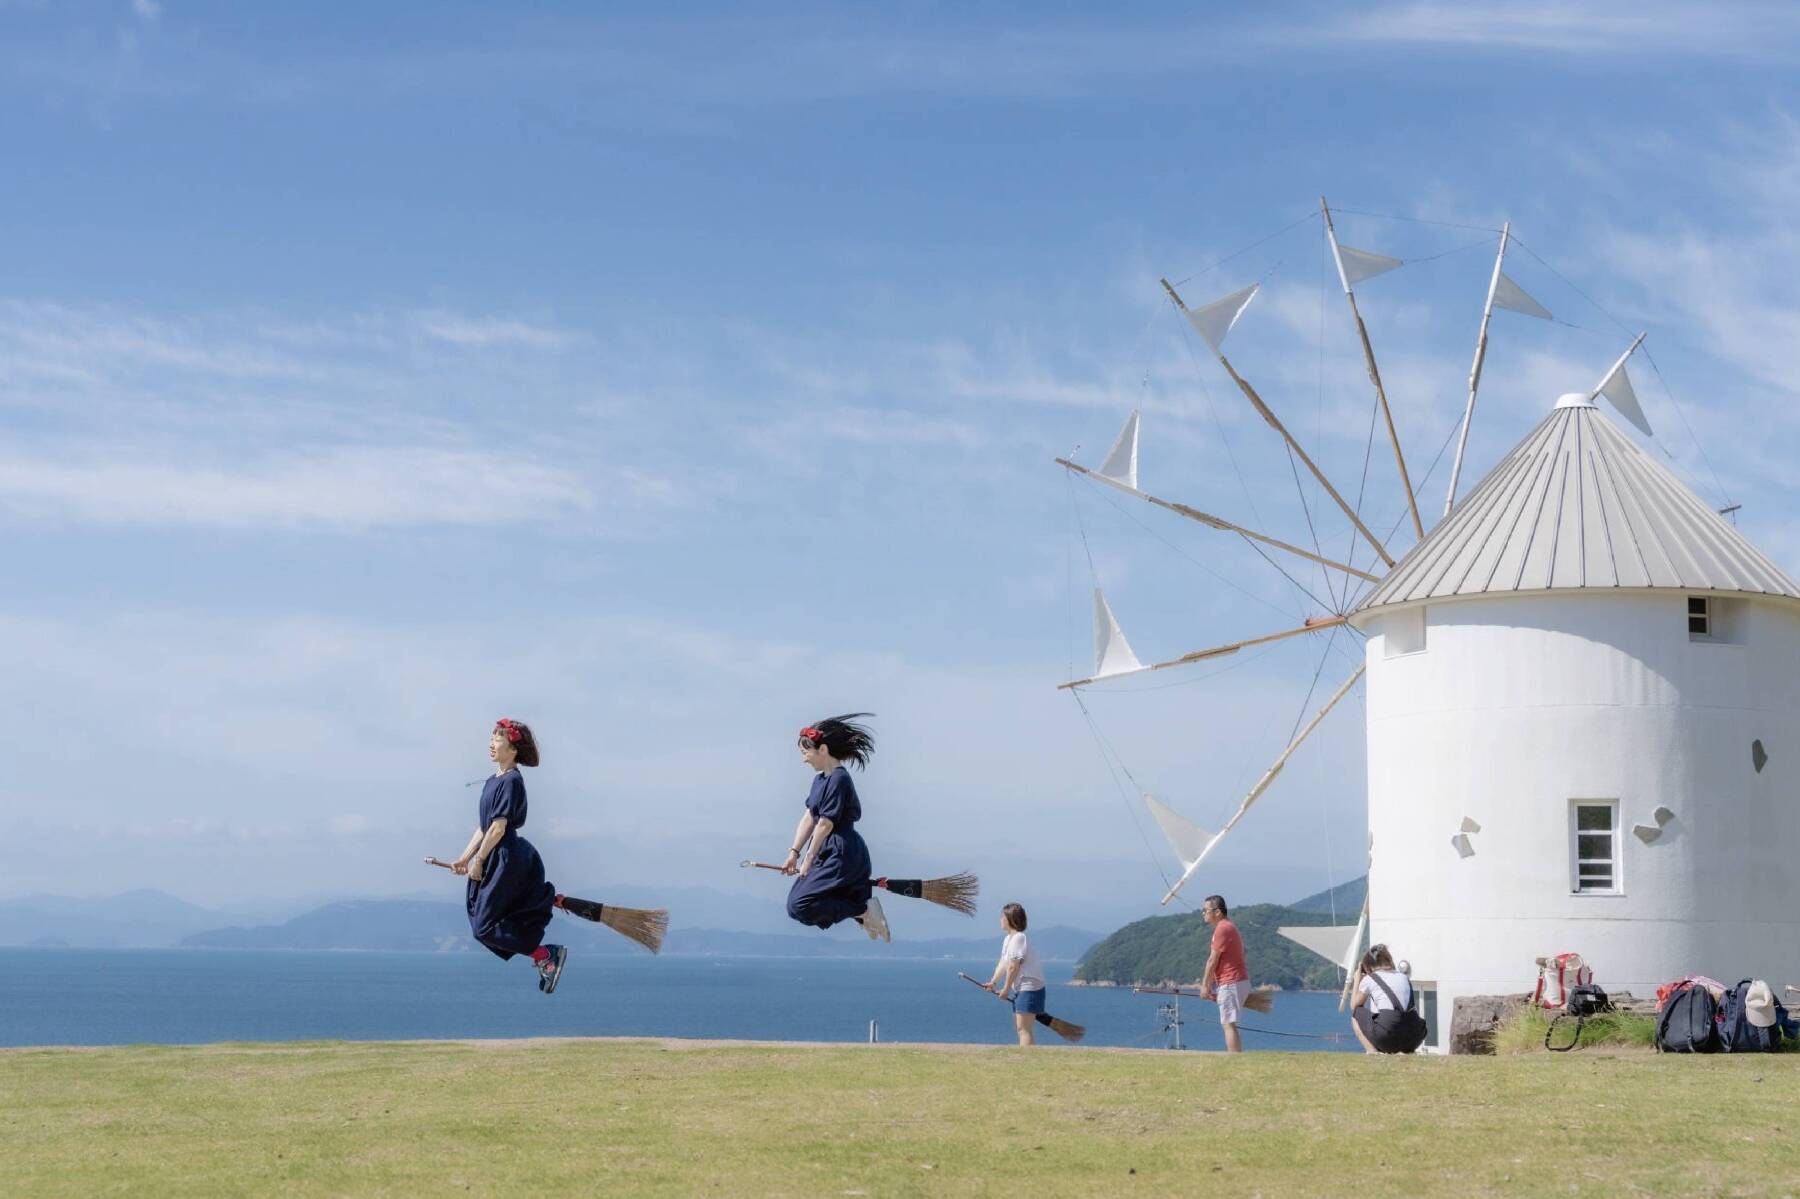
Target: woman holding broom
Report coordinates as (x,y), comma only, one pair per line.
(1019,972)
(827,853)
(509,901)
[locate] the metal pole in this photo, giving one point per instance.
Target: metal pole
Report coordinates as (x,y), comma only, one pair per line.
(1481,340)
(1362,331)
(874,1032)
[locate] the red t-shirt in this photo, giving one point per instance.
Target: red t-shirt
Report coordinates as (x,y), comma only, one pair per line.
(1230,947)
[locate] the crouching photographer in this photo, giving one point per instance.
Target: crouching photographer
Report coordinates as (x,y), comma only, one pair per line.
(1382,1013)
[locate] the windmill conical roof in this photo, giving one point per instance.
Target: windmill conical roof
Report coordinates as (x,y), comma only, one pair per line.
(1578,504)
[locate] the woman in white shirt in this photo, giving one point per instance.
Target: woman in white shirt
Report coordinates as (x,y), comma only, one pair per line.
(1020,972)
(1382,1011)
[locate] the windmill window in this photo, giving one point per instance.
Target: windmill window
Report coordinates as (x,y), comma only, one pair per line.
(1699,616)
(1594,846)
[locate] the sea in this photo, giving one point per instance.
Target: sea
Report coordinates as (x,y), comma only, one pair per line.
(195,996)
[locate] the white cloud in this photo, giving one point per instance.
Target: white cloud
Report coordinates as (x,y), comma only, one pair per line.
(1600,29)
(340,487)
(147,10)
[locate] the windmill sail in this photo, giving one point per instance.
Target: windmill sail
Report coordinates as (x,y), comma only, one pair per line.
(1112,653)
(1215,320)
(1189,841)
(1511,296)
(1121,461)
(1616,386)
(1356,265)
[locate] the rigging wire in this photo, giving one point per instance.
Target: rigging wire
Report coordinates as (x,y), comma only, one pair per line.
(1129,515)
(1667,390)
(1312,214)
(1417,220)
(1108,755)
(1681,412)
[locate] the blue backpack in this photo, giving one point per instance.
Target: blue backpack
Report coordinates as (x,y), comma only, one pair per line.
(1738,1035)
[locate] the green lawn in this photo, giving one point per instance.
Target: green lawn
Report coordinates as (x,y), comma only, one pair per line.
(644,1117)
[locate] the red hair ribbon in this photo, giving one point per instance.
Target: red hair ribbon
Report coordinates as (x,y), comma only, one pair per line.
(813,735)
(510,728)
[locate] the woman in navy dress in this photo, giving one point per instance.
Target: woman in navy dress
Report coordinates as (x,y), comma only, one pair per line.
(508,898)
(827,853)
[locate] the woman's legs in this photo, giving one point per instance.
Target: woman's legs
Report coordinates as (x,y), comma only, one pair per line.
(1026,1024)
(1356,1026)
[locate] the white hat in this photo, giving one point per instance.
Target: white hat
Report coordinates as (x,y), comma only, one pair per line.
(1759,1004)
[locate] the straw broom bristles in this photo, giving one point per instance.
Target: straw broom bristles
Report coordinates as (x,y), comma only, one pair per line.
(956,892)
(645,926)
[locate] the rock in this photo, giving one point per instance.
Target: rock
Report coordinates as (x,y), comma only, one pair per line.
(1474,1019)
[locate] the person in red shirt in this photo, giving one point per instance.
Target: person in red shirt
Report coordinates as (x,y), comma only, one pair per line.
(1227,979)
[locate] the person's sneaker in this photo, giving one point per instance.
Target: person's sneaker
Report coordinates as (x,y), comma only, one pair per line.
(550,969)
(874,922)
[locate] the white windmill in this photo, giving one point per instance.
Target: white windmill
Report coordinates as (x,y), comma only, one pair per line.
(1578,684)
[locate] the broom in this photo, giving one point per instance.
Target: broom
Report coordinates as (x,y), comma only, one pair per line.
(1259,1001)
(645,926)
(956,892)
(1065,1029)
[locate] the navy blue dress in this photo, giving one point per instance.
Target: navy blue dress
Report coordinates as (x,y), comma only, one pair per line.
(837,887)
(510,907)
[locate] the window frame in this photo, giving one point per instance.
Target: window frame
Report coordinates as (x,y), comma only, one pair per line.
(1617,855)
(1706,616)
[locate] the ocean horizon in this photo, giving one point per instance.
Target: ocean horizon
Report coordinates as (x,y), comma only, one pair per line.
(86,997)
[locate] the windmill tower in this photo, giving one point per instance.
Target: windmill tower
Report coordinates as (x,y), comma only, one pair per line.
(1579,688)
(1579,684)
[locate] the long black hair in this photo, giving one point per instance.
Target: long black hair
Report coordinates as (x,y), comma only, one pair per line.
(842,738)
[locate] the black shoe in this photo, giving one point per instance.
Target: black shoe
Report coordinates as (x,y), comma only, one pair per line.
(550,969)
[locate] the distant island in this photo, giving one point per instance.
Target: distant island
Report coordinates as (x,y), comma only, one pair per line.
(432,926)
(1174,948)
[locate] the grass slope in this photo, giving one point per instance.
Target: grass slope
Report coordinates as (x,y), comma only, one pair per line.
(647,1118)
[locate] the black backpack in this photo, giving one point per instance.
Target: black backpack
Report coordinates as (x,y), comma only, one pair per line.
(1403,1028)
(1582,1002)
(1689,1022)
(1737,1034)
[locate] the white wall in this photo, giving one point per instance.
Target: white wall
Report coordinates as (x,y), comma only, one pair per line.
(1520,703)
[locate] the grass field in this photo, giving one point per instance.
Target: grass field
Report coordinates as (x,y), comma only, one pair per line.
(672,1118)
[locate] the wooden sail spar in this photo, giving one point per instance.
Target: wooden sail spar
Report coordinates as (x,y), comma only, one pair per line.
(1362,331)
(1481,344)
(1274,422)
(1218,651)
(1263,783)
(1215,522)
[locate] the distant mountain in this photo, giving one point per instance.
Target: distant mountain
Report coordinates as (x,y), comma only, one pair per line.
(1175,948)
(135,919)
(402,925)
(1345,898)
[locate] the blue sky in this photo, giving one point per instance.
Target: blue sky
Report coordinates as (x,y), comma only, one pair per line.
(369,371)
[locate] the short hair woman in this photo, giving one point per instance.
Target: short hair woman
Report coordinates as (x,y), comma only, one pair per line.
(509,900)
(1020,972)
(827,853)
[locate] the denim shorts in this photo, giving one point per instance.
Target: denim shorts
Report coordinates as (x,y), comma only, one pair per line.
(1029,1003)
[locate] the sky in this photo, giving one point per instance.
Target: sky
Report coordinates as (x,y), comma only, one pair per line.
(671,380)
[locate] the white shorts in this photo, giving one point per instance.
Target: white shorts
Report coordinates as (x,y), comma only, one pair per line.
(1231,999)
